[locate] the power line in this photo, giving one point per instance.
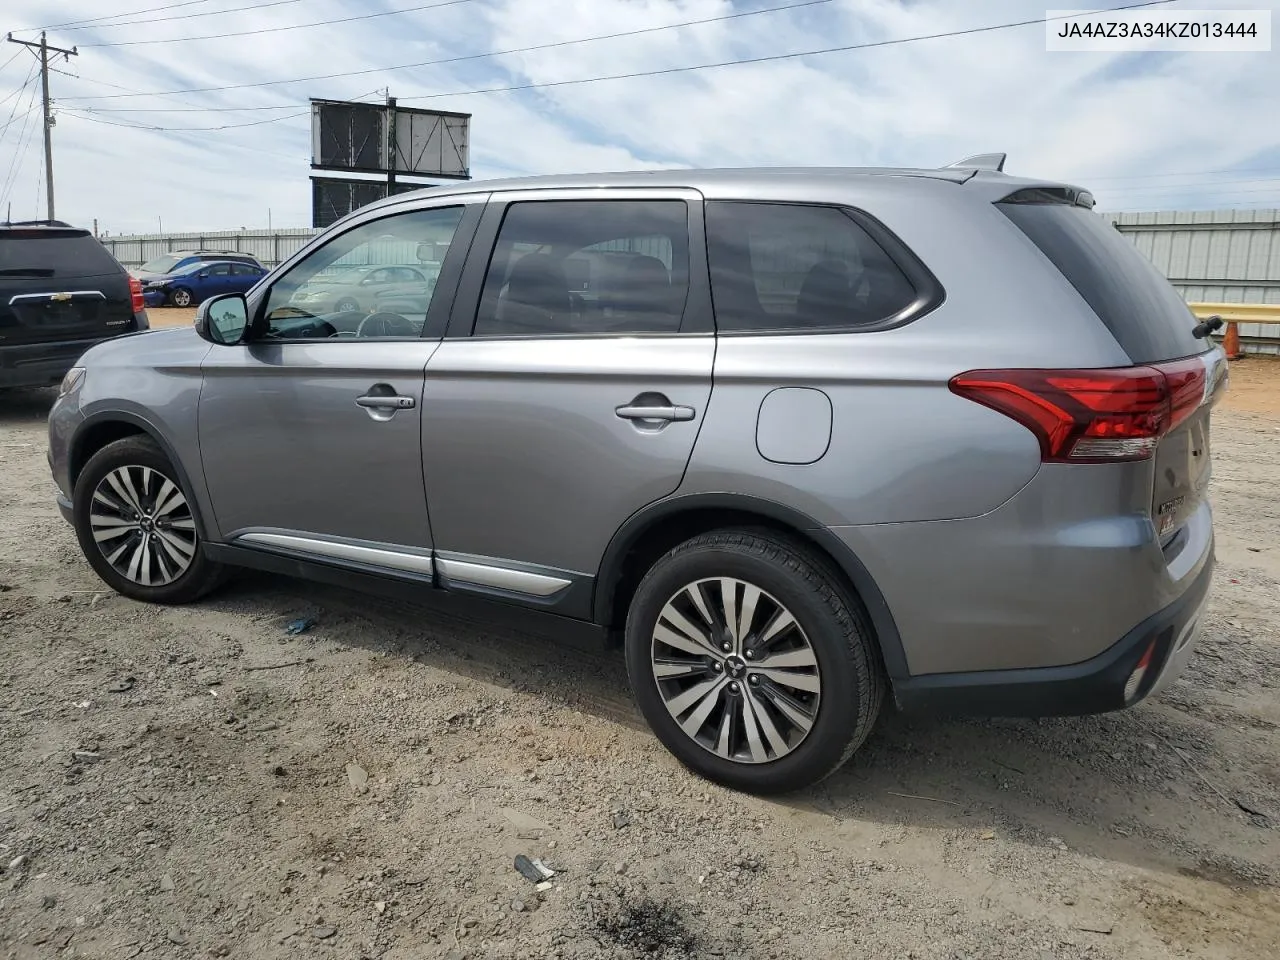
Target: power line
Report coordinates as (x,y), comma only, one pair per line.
(111,16)
(12,119)
(9,61)
(295,26)
(95,24)
(18,93)
(75,112)
(473,56)
(643,73)
(20,153)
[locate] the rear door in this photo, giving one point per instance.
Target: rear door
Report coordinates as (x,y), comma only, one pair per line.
(1152,324)
(59,284)
(546,421)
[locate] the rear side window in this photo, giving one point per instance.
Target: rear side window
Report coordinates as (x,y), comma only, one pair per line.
(791,267)
(46,253)
(587,267)
(1143,312)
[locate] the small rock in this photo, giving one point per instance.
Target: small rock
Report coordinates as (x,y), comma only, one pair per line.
(620,868)
(278,771)
(469,923)
(18,862)
(518,906)
(380,906)
(121,686)
(166,883)
(221,950)
(1069,901)
(621,819)
(358,778)
(323,933)
(987,835)
(48,903)
(175,936)
(1103,928)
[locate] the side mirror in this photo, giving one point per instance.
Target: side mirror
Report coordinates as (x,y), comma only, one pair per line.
(223,320)
(202,275)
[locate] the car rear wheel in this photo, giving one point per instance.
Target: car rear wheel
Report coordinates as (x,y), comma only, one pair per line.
(136,526)
(180,297)
(346,305)
(751,663)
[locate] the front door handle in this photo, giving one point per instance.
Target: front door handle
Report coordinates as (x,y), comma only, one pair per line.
(670,412)
(393,402)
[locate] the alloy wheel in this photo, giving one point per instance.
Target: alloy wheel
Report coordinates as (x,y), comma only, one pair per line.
(143,525)
(736,670)
(181,298)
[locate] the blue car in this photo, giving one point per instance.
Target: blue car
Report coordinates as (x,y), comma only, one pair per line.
(189,285)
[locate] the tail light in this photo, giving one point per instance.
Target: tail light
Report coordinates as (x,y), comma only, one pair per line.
(1092,416)
(135,294)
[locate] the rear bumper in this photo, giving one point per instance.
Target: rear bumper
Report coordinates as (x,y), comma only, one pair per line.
(1093,686)
(45,364)
(40,364)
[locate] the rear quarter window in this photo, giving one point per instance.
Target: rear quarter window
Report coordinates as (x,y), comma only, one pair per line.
(56,255)
(796,268)
(1148,318)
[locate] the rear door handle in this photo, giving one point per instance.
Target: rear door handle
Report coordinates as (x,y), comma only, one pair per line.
(393,402)
(672,412)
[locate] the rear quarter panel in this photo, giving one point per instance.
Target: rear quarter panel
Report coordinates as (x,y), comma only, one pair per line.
(903,447)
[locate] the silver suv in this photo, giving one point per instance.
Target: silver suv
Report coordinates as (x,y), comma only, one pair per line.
(799,437)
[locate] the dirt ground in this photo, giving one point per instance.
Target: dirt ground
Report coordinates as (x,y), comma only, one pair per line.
(361,790)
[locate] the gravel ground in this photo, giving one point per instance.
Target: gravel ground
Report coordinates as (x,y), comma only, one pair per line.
(194,782)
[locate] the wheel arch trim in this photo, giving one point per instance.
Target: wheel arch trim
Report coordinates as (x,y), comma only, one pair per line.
(149,430)
(644,520)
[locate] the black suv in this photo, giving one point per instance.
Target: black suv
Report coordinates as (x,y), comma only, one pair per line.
(61,291)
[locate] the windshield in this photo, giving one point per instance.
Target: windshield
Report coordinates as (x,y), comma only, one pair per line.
(160,264)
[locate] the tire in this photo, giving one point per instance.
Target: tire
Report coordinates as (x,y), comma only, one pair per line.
(173,568)
(830,645)
(346,305)
(181,297)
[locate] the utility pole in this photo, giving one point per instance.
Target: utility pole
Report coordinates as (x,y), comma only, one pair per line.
(391,143)
(44,48)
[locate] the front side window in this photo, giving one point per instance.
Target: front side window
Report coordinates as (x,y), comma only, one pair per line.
(217,270)
(793,267)
(584,267)
(367,282)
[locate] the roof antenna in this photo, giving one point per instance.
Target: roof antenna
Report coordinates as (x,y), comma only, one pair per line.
(983,161)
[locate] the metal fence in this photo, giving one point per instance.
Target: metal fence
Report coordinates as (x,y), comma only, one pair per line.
(1220,256)
(1228,256)
(269,246)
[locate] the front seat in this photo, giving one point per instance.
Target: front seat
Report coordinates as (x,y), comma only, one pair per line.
(536,298)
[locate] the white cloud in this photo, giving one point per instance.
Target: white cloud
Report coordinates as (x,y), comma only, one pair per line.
(1112,122)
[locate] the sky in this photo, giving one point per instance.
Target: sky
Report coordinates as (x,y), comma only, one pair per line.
(1143,131)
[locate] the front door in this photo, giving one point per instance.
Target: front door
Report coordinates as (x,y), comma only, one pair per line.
(310,433)
(570,388)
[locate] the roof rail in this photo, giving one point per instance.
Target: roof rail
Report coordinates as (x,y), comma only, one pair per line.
(34,223)
(983,161)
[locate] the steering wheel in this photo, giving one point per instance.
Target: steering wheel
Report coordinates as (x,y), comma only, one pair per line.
(386,324)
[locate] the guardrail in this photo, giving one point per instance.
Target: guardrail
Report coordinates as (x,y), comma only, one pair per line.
(1234,314)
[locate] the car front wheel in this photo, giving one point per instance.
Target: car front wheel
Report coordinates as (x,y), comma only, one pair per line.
(181,297)
(751,663)
(136,526)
